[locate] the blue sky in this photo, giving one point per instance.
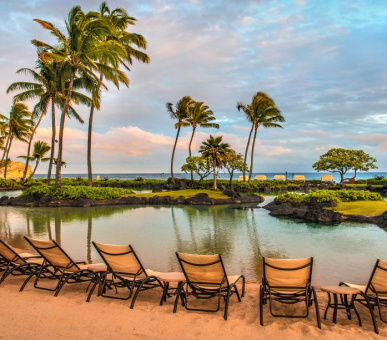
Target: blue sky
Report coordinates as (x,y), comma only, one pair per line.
(323,62)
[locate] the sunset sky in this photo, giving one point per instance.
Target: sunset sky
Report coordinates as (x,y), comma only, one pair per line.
(323,62)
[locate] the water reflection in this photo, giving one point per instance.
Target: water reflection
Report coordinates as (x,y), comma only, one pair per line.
(243,237)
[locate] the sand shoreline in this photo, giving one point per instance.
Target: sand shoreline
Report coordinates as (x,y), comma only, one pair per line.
(37,314)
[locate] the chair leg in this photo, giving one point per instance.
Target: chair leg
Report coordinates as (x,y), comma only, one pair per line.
(317,309)
(261,297)
(226,304)
(137,292)
(370,307)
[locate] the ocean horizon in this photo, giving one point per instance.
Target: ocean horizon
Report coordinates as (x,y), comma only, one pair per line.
(269,175)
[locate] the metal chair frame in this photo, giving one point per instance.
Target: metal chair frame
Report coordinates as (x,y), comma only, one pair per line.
(372,301)
(61,273)
(305,294)
(197,290)
(135,284)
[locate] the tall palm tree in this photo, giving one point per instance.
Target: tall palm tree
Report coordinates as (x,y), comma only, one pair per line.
(47,88)
(265,114)
(247,111)
(19,126)
(83,46)
(180,114)
(215,150)
(40,149)
(119,20)
(200,115)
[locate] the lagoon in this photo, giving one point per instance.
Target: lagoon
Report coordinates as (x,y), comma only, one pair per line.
(344,252)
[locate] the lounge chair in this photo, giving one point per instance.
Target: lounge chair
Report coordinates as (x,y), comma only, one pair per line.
(373,294)
(300,178)
(15,262)
(65,270)
(279,178)
(288,282)
(206,278)
(124,270)
(240,178)
(260,178)
(327,178)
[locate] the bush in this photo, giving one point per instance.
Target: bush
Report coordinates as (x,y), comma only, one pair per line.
(8,183)
(324,196)
(74,192)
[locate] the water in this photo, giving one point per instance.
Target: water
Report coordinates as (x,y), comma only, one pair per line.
(243,237)
(269,175)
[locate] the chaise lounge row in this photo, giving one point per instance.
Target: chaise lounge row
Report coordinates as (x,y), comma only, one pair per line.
(287,281)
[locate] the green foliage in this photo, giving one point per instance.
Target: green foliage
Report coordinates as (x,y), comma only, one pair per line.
(373,181)
(322,196)
(74,192)
(197,165)
(342,160)
(8,183)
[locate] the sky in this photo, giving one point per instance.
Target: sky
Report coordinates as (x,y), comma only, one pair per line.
(323,62)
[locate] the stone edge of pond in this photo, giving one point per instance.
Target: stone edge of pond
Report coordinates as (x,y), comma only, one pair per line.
(317,214)
(38,200)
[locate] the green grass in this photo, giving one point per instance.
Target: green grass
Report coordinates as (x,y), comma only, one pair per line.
(365,208)
(362,185)
(216,194)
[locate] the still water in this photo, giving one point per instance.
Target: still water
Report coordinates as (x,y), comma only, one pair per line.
(345,252)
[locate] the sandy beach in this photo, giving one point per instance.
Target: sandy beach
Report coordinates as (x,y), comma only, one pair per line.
(37,314)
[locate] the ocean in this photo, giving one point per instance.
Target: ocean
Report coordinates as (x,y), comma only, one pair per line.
(269,175)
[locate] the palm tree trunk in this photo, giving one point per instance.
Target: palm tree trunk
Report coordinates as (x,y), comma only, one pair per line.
(173,152)
(189,148)
(53,135)
(36,165)
(252,154)
(6,158)
(5,150)
(89,135)
(89,132)
(58,173)
(214,166)
(247,149)
(29,145)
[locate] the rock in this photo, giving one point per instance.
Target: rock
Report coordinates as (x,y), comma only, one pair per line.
(198,199)
(323,216)
(228,191)
(157,189)
(4,200)
(182,185)
(82,202)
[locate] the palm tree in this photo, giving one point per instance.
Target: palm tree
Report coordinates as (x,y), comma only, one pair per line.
(247,111)
(40,149)
(48,88)
(200,115)
(83,46)
(19,126)
(180,114)
(119,20)
(264,113)
(213,149)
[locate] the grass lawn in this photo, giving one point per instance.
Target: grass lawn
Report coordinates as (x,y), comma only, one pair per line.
(362,185)
(366,208)
(216,194)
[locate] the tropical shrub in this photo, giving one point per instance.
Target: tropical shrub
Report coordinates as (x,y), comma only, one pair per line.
(8,183)
(74,192)
(322,196)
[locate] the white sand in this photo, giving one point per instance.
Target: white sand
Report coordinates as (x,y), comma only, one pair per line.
(37,314)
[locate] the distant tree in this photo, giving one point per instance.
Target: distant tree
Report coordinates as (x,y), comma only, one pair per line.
(342,160)
(234,161)
(180,113)
(215,151)
(197,165)
(39,150)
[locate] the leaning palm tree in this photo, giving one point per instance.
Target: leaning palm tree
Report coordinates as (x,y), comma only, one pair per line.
(47,88)
(213,149)
(119,20)
(264,113)
(180,114)
(40,149)
(83,46)
(19,126)
(200,115)
(247,111)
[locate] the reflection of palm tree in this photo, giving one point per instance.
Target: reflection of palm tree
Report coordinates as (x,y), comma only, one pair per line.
(58,226)
(49,228)
(89,229)
(179,242)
